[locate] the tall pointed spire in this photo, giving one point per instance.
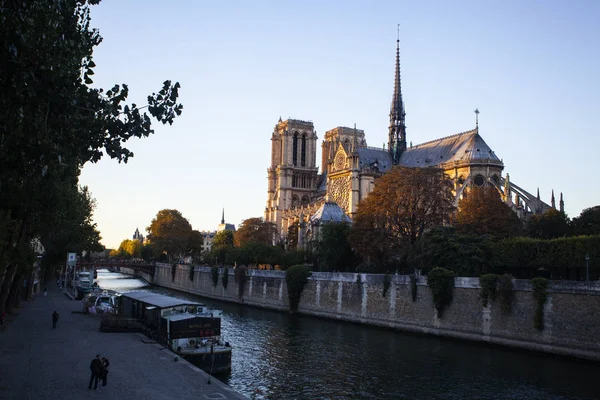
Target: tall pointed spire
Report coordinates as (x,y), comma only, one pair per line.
(552,201)
(561,204)
(397,129)
(223,216)
(477,119)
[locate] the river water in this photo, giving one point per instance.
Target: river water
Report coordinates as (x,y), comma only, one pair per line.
(282,356)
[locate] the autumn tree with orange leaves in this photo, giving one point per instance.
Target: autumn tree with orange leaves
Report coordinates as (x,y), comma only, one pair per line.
(405,203)
(482,212)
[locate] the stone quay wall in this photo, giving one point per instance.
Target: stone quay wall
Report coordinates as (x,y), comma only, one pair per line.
(571,312)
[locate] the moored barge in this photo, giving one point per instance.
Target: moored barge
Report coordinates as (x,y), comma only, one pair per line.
(191,330)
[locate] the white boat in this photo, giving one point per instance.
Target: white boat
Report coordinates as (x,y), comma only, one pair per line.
(104,302)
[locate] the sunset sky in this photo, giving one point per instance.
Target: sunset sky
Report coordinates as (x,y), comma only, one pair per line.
(531,68)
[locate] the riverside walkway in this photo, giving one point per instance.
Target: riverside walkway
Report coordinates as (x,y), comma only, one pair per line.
(38,362)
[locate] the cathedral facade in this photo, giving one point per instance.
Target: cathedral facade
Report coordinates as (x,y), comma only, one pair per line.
(301,197)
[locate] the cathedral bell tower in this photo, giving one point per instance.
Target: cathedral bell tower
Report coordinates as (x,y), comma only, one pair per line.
(293,172)
(397,129)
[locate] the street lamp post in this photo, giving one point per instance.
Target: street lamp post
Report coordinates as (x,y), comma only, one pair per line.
(587,267)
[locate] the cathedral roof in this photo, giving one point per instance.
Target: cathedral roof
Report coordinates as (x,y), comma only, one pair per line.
(466,147)
(368,156)
(329,212)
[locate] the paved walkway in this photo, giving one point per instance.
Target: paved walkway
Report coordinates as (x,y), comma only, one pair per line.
(38,362)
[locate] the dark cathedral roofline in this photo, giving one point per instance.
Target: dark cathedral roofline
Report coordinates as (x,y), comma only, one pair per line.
(444,138)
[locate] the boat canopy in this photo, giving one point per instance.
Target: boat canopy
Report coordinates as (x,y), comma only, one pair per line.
(158,300)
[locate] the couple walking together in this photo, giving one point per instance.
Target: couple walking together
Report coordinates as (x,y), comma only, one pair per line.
(99,368)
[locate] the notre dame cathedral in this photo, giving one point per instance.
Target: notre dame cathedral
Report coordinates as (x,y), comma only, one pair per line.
(298,193)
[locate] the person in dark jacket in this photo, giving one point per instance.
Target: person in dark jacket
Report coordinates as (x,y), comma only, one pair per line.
(54,319)
(97,371)
(105,365)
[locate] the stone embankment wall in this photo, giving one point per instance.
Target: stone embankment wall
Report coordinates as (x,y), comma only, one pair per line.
(571,312)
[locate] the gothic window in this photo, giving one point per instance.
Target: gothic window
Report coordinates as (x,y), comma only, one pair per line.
(295,149)
(294,180)
(295,201)
(478,181)
(303,155)
(496,179)
(304,200)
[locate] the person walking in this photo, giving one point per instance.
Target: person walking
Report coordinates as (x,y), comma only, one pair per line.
(54,319)
(105,365)
(96,369)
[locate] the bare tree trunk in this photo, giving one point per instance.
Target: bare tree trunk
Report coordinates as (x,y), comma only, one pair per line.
(6,285)
(13,295)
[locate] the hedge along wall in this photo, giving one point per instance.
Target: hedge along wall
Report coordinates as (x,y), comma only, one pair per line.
(571,324)
(562,258)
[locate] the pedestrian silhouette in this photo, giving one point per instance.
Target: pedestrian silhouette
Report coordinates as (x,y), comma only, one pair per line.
(105,365)
(54,319)
(97,372)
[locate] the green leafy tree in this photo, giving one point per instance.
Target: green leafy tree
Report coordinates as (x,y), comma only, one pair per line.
(333,250)
(482,212)
(588,222)
(254,230)
(465,255)
(170,232)
(550,225)
(222,246)
(130,249)
(195,246)
(405,203)
(57,121)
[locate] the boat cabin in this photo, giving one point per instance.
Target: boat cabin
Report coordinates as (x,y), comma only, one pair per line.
(150,307)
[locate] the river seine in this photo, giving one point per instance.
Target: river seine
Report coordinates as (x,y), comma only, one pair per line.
(282,356)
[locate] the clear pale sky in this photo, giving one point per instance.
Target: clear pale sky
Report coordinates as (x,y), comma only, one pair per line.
(531,67)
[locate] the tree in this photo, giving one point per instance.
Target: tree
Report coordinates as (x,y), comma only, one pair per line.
(333,250)
(483,212)
(254,230)
(550,225)
(170,232)
(588,222)
(404,204)
(292,236)
(465,255)
(130,249)
(221,246)
(196,245)
(52,121)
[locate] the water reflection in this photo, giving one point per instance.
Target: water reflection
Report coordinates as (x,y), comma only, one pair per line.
(280,356)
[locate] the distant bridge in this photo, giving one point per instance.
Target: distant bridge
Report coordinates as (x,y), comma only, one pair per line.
(116,266)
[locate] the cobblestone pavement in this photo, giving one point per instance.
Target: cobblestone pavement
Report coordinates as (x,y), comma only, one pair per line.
(38,362)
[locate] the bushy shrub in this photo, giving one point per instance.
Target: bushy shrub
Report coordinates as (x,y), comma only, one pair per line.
(387,281)
(505,293)
(413,287)
(225,278)
(241,276)
(488,284)
(296,277)
(214,274)
(173,271)
(539,286)
(441,283)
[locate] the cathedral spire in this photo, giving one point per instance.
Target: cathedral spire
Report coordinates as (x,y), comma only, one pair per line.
(397,129)
(561,204)
(477,120)
(552,201)
(223,216)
